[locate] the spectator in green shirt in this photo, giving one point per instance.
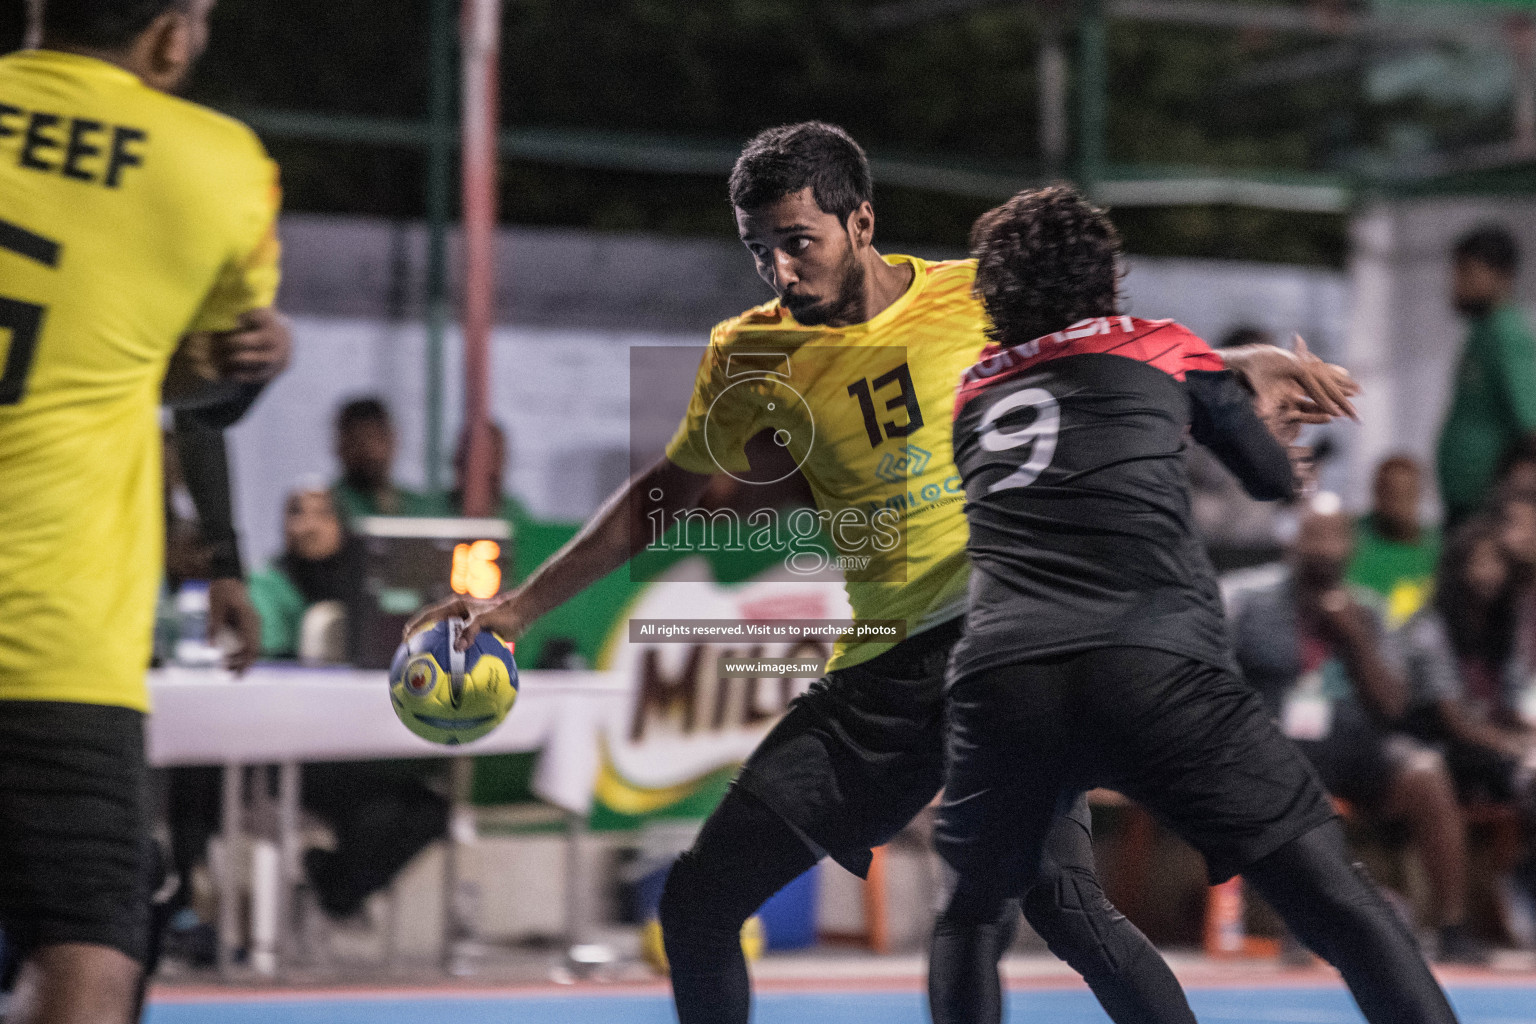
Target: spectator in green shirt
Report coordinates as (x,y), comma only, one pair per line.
(318,564)
(1493,405)
(1395,553)
(365,447)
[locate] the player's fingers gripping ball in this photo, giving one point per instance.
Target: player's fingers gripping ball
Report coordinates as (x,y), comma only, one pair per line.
(451,696)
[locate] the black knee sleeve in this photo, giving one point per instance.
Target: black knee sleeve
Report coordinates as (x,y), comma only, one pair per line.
(744,854)
(1079,924)
(1128,976)
(691,905)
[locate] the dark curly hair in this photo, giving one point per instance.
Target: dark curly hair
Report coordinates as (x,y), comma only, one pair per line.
(1045,259)
(812,154)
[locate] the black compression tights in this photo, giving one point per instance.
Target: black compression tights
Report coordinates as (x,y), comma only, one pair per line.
(1337,911)
(746,853)
(1071,913)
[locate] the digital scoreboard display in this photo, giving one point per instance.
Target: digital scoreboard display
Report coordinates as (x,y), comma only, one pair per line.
(409,563)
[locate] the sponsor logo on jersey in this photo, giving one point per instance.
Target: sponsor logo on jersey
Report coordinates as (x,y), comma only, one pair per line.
(901,465)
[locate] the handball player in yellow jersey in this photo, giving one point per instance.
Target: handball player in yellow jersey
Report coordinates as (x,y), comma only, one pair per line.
(133,225)
(854,367)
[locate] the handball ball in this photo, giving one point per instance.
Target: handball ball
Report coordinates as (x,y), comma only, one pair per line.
(450,696)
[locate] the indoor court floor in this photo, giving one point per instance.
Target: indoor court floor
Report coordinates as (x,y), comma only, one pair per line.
(1313,1001)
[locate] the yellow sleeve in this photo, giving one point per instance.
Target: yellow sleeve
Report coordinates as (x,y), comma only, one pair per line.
(721,418)
(249,278)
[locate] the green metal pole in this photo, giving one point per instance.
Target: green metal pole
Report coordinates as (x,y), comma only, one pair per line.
(1092,97)
(439,199)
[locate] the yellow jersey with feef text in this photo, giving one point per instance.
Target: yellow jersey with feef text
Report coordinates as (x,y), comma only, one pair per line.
(128,218)
(866,413)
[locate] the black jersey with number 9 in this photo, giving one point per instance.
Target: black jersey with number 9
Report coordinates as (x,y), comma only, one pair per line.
(1071,448)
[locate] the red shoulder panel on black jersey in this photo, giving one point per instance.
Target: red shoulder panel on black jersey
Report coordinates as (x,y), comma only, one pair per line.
(1164,344)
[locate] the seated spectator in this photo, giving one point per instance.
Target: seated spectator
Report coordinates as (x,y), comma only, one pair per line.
(1395,552)
(365,447)
(320,564)
(533,539)
(1456,652)
(502,504)
(1314,649)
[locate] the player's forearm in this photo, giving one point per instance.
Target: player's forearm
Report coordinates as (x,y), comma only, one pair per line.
(205,467)
(617,532)
(1223,421)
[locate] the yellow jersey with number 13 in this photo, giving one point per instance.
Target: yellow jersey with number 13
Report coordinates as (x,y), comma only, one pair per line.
(128,218)
(865,411)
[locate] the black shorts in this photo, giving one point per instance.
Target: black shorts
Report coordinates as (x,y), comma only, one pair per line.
(1188,741)
(862,751)
(74,841)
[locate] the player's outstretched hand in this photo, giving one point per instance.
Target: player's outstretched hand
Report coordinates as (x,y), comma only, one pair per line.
(1293,388)
(494,614)
(1328,387)
(229,605)
(256,351)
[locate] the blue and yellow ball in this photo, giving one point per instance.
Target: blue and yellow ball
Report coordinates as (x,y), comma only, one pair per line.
(449,696)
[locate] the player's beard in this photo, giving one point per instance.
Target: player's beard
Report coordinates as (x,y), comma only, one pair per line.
(844,306)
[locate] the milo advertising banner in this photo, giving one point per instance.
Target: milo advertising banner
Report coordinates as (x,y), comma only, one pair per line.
(696,708)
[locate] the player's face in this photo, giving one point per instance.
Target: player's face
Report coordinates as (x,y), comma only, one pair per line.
(809,257)
(311,527)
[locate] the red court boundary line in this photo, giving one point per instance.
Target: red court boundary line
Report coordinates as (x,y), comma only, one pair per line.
(874,985)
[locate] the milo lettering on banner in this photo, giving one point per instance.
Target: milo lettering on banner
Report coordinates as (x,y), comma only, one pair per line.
(686,730)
